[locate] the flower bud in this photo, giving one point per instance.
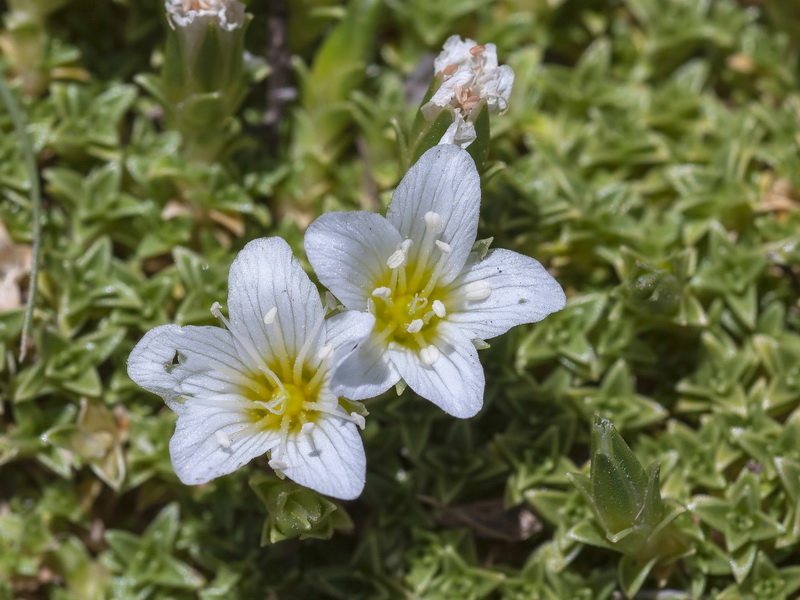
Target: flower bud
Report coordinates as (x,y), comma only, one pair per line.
(294,511)
(205,51)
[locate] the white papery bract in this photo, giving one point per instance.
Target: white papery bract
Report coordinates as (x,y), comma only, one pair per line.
(431,296)
(262,383)
(471,78)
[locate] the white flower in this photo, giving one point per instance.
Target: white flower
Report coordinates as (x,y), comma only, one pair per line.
(470,76)
(226,14)
(262,384)
(414,271)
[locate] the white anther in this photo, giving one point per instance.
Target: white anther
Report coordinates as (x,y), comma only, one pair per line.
(222,438)
(269,318)
(397,258)
(277,464)
(405,245)
(415,326)
(477,290)
(429,355)
(216,310)
(307,428)
(444,247)
(433,222)
(382,292)
(438,309)
(360,421)
(325,352)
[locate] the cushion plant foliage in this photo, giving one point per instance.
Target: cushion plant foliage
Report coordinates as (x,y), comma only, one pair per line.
(642,442)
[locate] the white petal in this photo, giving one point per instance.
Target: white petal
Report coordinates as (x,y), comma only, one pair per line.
(265,275)
(522,291)
(454,382)
(446,93)
(186,362)
(489,57)
(347,330)
(460,133)
(365,373)
(454,52)
(496,88)
(348,251)
(330,459)
(195,448)
(445,181)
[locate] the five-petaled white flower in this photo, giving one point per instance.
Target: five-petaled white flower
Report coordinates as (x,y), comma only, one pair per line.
(470,76)
(262,384)
(414,271)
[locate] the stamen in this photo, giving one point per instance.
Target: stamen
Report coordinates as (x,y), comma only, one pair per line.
(216,310)
(335,411)
(312,339)
(269,318)
(415,326)
(471,102)
(382,292)
(307,428)
(285,422)
(450,70)
(385,333)
(325,352)
(397,258)
(477,50)
(429,355)
(405,245)
(371,304)
(439,309)
(322,370)
(433,222)
(475,291)
(437,270)
(222,438)
(444,247)
(420,339)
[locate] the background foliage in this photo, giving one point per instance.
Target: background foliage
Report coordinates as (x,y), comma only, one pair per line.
(649,158)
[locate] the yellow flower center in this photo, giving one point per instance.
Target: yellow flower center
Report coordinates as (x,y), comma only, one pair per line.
(288,392)
(409,318)
(287,406)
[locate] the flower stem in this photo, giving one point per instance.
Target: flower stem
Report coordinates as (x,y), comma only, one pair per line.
(18,118)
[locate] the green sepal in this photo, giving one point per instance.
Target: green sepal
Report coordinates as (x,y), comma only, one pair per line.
(479,149)
(431,134)
(632,574)
(294,511)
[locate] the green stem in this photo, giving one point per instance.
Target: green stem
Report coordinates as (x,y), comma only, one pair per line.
(36,207)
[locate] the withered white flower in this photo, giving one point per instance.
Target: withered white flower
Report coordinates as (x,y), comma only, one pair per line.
(430,295)
(470,76)
(226,14)
(262,383)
